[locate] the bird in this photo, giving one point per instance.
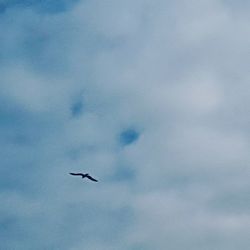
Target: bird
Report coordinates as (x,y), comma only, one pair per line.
(84,175)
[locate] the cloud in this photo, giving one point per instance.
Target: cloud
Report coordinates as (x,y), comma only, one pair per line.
(151,98)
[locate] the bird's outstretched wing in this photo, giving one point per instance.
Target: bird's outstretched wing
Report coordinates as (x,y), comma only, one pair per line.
(76,174)
(91,178)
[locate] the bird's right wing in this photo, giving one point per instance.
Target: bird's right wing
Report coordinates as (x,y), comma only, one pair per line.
(91,178)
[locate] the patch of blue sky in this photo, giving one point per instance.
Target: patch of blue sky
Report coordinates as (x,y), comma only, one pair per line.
(2,8)
(129,136)
(46,6)
(77,108)
(21,127)
(21,134)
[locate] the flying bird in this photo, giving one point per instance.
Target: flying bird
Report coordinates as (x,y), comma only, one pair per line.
(83,176)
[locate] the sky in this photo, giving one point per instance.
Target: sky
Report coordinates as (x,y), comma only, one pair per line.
(151,97)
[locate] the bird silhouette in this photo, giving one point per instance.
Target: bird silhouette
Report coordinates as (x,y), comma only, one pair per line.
(84,176)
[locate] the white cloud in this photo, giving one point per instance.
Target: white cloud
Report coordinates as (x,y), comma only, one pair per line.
(176,72)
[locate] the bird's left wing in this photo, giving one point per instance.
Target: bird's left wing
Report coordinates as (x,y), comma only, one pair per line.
(76,174)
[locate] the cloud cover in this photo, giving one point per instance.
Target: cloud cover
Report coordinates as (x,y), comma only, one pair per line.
(76,76)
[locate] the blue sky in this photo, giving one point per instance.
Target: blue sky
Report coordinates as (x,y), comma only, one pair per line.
(151,98)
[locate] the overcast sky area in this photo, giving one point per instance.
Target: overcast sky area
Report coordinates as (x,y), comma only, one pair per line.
(151,97)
